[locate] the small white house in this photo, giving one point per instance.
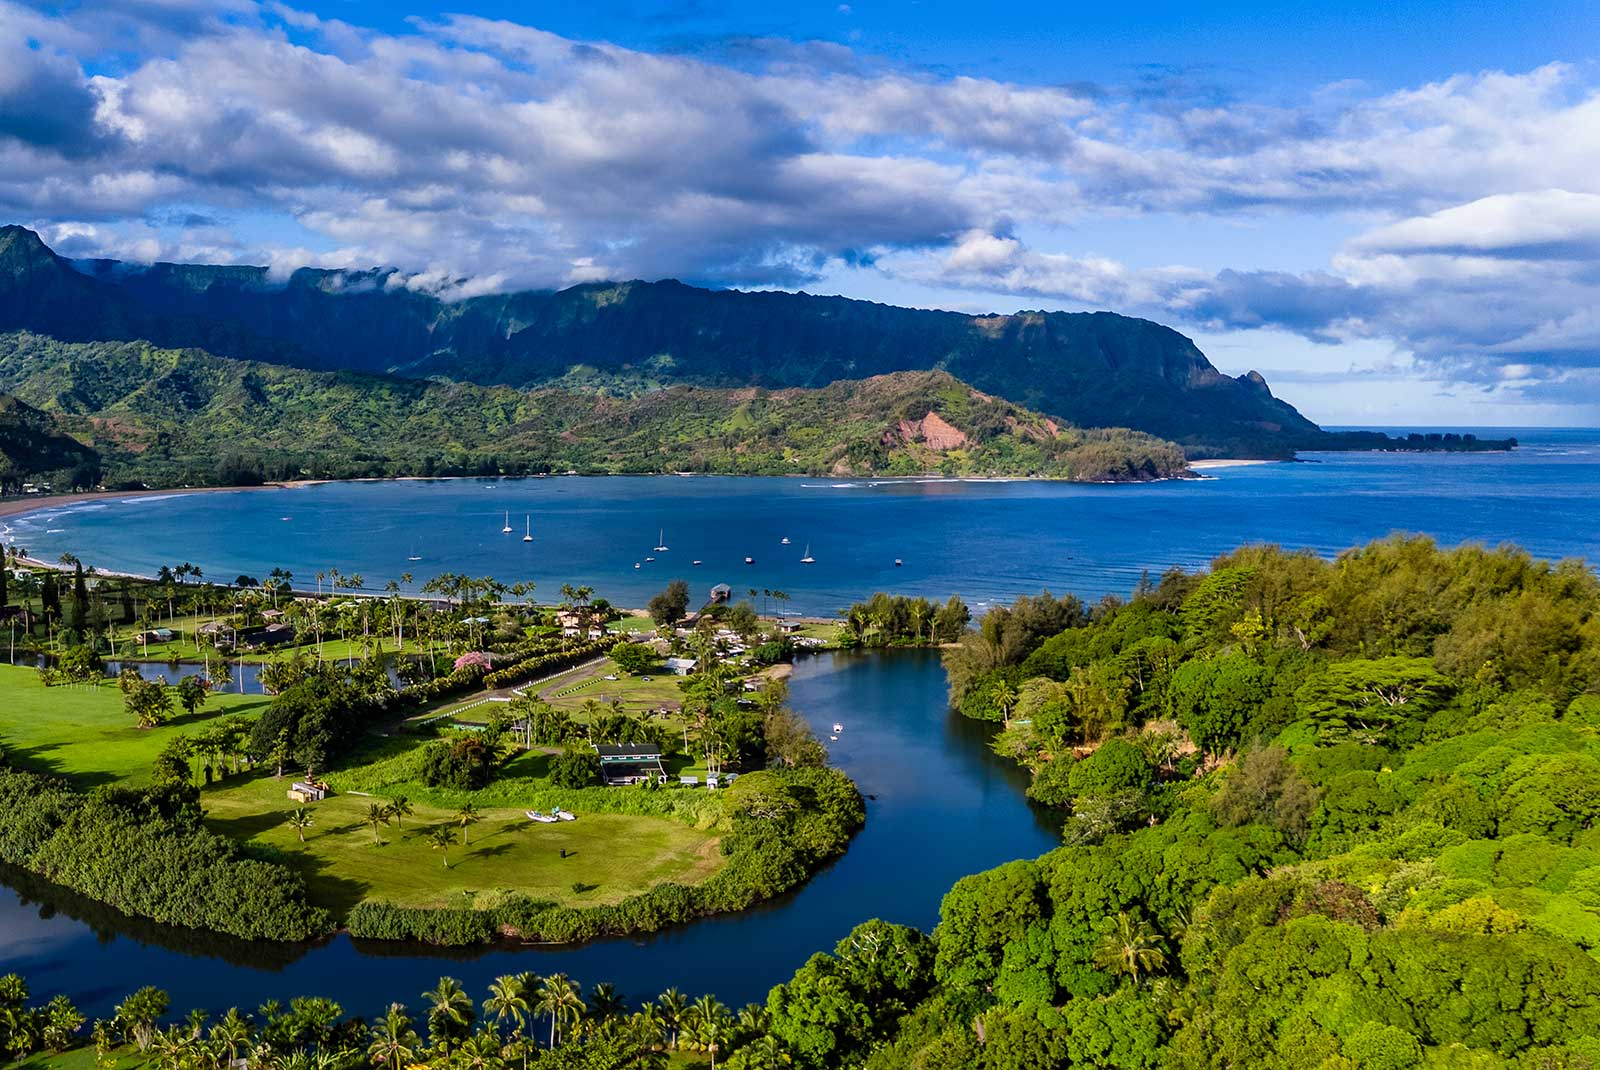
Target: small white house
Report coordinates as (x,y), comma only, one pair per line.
(682,666)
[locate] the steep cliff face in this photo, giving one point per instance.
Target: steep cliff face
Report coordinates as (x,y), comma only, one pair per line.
(1091,369)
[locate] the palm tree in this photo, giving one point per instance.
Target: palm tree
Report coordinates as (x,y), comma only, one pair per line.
(377,816)
(1132,947)
(439,839)
(399,807)
(481,1051)
(467,815)
(558,997)
(674,1006)
(508,1000)
(230,1034)
(712,1024)
(1005,696)
(300,820)
(767,1054)
(606,1002)
(394,1042)
(451,1013)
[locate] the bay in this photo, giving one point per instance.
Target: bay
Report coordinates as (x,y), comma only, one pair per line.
(987,541)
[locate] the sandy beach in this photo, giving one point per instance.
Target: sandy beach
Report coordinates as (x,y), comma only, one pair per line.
(1224,462)
(18,506)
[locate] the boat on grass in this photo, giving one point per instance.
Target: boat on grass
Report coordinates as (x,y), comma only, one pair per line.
(543,819)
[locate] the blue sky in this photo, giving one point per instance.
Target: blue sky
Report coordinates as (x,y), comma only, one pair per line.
(1390,210)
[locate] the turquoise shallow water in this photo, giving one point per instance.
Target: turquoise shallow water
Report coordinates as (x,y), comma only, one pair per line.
(985,540)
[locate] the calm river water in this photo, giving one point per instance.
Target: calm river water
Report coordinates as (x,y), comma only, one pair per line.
(944,806)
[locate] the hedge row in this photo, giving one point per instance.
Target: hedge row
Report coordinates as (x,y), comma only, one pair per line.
(542,664)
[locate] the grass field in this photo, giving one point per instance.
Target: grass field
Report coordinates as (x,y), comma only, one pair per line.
(81,732)
(609,856)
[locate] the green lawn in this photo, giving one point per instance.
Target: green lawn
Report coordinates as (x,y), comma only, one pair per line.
(611,856)
(82,733)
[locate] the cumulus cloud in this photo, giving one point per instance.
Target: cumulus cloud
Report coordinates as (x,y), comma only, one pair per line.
(474,154)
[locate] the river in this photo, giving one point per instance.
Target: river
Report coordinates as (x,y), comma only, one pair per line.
(941,806)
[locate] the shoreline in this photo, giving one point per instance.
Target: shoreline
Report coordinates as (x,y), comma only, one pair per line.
(20,506)
(10,507)
(1231,462)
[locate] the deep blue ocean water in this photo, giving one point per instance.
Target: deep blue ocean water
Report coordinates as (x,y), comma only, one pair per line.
(985,540)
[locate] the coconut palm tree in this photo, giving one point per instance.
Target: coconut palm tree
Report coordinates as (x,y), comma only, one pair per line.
(399,807)
(467,815)
(606,1002)
(300,820)
(508,1001)
(1132,947)
(674,1009)
(712,1024)
(450,1013)
(394,1042)
(1005,696)
(377,817)
(439,839)
(558,997)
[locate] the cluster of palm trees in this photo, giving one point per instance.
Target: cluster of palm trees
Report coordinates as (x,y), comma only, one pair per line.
(525,1011)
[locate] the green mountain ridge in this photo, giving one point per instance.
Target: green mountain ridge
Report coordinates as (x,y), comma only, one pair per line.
(1091,369)
(165,417)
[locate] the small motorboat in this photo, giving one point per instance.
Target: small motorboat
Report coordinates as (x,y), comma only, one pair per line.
(543,819)
(898,562)
(649,559)
(749,560)
(833,739)
(563,815)
(784,541)
(695,562)
(837,727)
(637,565)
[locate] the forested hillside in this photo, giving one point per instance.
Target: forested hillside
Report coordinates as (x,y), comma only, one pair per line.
(1090,369)
(33,447)
(1317,814)
(183,417)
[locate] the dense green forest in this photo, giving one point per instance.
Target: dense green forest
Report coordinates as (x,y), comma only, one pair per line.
(183,417)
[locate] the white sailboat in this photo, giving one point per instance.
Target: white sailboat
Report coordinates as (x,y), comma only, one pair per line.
(661,539)
(414,555)
(507,529)
(529,529)
(808,559)
(784,541)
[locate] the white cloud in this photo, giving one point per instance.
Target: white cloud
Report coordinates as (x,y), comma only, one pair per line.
(474,154)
